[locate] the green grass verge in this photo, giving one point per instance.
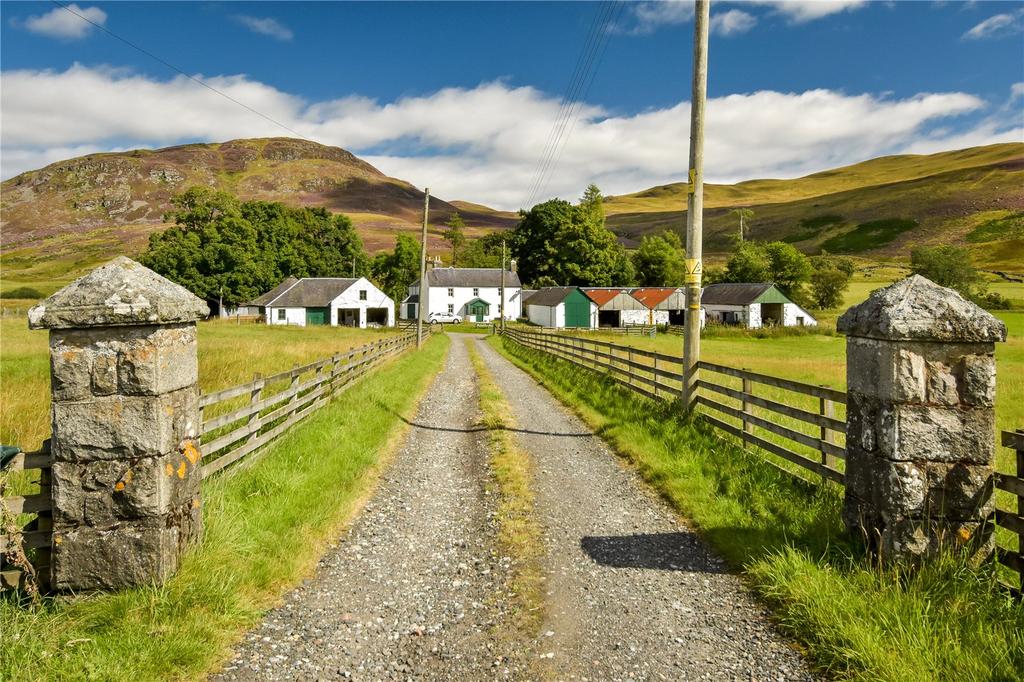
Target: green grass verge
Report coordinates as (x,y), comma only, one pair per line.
(266,526)
(857,622)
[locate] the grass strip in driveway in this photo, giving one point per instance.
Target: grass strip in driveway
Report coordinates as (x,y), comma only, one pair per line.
(266,527)
(519,533)
(856,621)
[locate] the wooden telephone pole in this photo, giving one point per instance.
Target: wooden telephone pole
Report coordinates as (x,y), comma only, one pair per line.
(695,204)
(421,305)
(502,285)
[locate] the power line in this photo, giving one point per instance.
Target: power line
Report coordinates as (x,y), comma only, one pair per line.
(175,68)
(583,77)
(566,102)
(572,119)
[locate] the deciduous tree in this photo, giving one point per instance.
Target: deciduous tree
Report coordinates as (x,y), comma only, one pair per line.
(660,261)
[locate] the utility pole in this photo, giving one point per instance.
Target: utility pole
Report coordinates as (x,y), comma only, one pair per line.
(353,266)
(423,270)
(695,204)
(502,285)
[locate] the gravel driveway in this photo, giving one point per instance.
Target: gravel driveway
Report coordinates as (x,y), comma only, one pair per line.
(632,593)
(415,590)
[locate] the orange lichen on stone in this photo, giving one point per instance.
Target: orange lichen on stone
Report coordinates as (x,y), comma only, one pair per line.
(169,469)
(191,452)
(182,468)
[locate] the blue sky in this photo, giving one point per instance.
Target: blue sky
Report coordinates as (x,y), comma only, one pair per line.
(462,96)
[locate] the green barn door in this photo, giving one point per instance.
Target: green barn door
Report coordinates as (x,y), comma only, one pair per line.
(577,310)
(317,315)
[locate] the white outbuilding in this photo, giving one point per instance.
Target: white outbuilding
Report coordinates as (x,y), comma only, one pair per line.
(334,301)
(616,307)
(752,306)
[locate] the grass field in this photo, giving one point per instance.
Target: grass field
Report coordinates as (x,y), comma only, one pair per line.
(229,354)
(266,526)
(857,621)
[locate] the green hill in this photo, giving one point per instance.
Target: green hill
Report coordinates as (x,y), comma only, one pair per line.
(878,208)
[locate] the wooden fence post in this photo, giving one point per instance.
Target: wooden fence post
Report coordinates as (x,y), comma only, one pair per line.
(1020,513)
(254,417)
(826,408)
(630,365)
(654,374)
(748,389)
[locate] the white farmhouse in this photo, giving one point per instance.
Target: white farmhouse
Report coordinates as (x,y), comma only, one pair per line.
(752,306)
(473,294)
(334,301)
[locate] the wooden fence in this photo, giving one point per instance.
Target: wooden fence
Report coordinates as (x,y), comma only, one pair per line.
(236,422)
(1012,521)
(809,433)
(230,430)
(26,531)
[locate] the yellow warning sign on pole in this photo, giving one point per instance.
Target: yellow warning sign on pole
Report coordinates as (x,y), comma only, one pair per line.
(694,270)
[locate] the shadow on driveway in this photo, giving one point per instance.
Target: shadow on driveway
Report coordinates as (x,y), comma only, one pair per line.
(679,551)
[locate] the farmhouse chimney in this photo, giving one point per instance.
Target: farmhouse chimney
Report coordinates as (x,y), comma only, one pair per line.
(125,422)
(920,420)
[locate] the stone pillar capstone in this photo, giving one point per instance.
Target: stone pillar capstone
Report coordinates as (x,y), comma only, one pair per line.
(920,441)
(125,426)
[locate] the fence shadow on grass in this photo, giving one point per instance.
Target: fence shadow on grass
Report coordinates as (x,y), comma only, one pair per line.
(675,551)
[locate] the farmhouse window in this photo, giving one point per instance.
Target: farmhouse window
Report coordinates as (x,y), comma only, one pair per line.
(451,308)
(280,313)
(362,294)
(476,291)
(451,292)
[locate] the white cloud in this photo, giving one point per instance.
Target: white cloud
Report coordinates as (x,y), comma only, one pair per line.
(60,23)
(482,143)
(1016,90)
(998,26)
(801,11)
(732,22)
(266,26)
(650,15)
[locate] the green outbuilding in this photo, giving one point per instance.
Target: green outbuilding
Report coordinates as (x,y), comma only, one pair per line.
(561,307)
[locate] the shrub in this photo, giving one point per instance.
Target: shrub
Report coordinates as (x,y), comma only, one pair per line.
(22,292)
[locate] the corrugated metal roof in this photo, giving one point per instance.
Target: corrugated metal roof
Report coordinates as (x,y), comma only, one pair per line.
(733,294)
(313,292)
(652,296)
(551,296)
(614,299)
(471,277)
(273,293)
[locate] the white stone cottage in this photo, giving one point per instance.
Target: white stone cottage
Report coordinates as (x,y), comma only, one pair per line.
(474,294)
(752,306)
(335,301)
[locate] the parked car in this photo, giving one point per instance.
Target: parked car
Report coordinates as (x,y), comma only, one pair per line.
(443,318)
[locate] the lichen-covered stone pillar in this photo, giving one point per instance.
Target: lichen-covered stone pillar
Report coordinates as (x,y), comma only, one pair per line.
(920,421)
(125,424)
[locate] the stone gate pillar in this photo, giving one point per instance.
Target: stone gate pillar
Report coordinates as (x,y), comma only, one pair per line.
(125,422)
(920,421)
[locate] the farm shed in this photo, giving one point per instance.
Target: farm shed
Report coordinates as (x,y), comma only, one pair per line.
(616,307)
(471,293)
(752,306)
(666,305)
(562,307)
(331,301)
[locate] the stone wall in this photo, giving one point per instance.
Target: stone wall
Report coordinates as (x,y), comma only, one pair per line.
(125,421)
(920,420)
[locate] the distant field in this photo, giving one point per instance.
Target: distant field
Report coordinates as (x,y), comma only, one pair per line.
(228,354)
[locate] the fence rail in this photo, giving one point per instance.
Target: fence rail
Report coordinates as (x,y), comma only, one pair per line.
(20,537)
(228,437)
(1010,520)
(660,376)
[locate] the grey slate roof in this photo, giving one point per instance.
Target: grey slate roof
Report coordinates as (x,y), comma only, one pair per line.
(733,294)
(471,277)
(312,292)
(274,293)
(549,296)
(525,296)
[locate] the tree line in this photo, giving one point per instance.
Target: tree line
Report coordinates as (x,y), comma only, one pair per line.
(228,250)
